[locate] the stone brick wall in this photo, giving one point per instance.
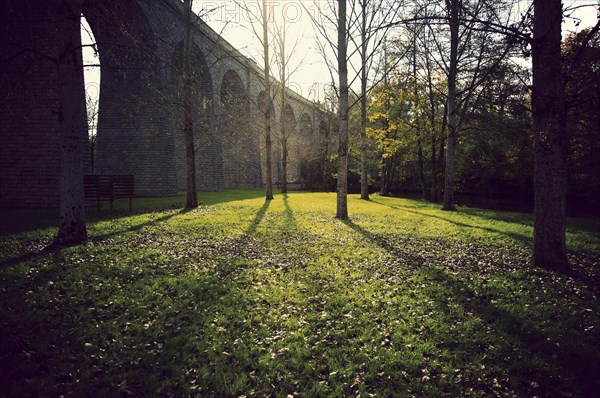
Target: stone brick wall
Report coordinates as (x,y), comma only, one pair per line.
(29,148)
(133,131)
(139,129)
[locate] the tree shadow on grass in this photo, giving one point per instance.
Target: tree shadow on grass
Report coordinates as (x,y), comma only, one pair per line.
(574,224)
(378,240)
(289,214)
(569,366)
(137,227)
(32,255)
(230,195)
(52,249)
(23,220)
(584,225)
(515,236)
(260,214)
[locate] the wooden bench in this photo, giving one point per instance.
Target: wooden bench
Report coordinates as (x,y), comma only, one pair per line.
(98,187)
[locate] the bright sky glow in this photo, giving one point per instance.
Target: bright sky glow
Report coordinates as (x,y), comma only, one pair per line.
(237,22)
(309,77)
(231,20)
(582,16)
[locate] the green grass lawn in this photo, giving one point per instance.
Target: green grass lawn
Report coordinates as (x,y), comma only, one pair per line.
(245,298)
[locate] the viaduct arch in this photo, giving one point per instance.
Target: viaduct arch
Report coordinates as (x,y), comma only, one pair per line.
(138,132)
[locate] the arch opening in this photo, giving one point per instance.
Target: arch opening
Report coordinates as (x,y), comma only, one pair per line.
(131,115)
(206,144)
(289,145)
(91,77)
(308,153)
(326,183)
(265,103)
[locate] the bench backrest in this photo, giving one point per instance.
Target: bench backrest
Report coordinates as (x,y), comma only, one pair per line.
(107,187)
(90,188)
(122,186)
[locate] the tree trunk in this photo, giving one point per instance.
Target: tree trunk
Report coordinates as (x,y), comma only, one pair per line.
(268,144)
(421,168)
(72,127)
(434,171)
(284,159)
(384,188)
(92,155)
(325,159)
(387,174)
(188,128)
(342,179)
(284,116)
(364,187)
(452,117)
(418,120)
(442,155)
(549,247)
(435,167)
(364,184)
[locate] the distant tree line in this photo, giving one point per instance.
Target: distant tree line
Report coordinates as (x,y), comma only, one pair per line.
(494,158)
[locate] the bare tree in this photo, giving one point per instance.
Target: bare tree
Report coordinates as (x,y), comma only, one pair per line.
(188,129)
(364,43)
(324,23)
(266,102)
(283,137)
(268,105)
(283,56)
(372,21)
(452,7)
(343,110)
(437,129)
(416,109)
(367,25)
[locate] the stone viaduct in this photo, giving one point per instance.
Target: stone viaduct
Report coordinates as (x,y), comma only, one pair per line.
(139,122)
